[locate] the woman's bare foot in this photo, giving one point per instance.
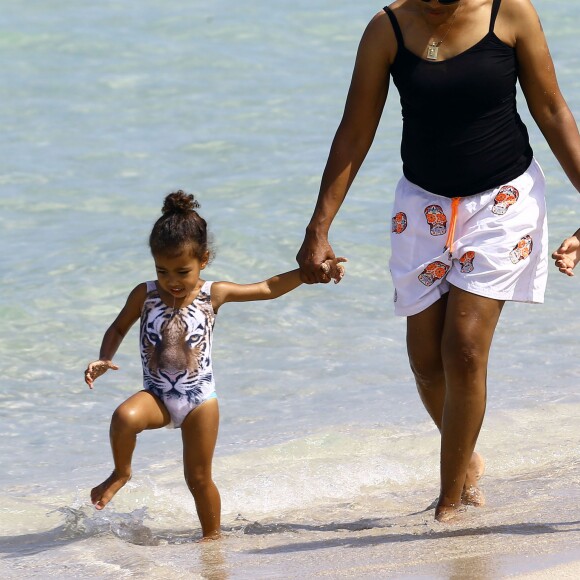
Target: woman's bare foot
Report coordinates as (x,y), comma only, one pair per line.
(471,494)
(104,493)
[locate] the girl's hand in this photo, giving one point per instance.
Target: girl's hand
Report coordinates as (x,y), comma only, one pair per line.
(568,254)
(96,369)
(334,269)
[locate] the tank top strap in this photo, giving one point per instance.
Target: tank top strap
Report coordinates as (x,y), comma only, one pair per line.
(494,11)
(395,24)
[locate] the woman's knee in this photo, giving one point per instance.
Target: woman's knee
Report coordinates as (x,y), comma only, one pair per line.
(427,370)
(468,332)
(424,332)
(464,356)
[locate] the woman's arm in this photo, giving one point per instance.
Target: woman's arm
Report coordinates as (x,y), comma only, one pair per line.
(115,334)
(548,108)
(540,87)
(364,105)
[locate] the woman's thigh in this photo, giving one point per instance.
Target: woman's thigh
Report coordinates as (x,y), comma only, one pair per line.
(424,335)
(470,323)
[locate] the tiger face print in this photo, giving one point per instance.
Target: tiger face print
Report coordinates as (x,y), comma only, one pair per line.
(176,348)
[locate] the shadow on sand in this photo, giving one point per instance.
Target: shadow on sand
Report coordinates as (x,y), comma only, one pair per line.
(518,529)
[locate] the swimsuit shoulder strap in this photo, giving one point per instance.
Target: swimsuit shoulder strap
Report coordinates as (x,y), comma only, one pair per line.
(205,291)
(396,27)
(152,297)
(494,11)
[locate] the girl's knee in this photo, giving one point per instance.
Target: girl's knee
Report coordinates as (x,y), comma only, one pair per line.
(198,479)
(127,417)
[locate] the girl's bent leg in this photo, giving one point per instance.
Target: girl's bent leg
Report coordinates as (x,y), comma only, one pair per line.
(139,412)
(470,323)
(199,432)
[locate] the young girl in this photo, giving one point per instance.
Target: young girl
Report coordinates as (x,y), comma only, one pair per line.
(177,313)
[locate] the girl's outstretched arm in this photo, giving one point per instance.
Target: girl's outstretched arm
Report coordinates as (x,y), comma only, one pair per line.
(568,254)
(269,289)
(115,334)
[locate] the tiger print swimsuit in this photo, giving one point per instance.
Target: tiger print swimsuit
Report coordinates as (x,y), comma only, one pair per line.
(176,352)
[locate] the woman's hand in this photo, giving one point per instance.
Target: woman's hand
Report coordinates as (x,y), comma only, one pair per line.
(313,253)
(96,369)
(568,254)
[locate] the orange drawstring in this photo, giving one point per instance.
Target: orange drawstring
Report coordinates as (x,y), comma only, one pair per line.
(453,220)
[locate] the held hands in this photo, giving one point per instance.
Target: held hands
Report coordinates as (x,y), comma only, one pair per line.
(317,261)
(568,254)
(96,369)
(333,269)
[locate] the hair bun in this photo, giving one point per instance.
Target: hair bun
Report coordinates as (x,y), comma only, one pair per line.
(179,202)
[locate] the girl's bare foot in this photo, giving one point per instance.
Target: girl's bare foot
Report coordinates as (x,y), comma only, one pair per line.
(334,269)
(104,493)
(471,494)
(211,536)
(446,514)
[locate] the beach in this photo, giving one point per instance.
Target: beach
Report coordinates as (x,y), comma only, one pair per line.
(529,528)
(327,462)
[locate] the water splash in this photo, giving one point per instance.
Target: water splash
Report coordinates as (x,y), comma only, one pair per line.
(85,523)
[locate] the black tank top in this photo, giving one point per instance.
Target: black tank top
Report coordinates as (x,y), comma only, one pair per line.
(461,131)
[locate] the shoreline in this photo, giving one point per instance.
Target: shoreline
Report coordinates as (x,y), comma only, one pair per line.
(295,546)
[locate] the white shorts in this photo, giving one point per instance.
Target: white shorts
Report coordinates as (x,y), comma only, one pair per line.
(493,244)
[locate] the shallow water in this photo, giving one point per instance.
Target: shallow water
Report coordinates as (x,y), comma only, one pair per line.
(323,440)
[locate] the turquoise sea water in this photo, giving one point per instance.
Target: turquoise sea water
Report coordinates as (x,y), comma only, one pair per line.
(108,106)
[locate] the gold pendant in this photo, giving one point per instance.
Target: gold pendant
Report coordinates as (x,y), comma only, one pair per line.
(432,51)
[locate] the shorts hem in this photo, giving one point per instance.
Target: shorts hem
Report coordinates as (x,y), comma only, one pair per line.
(413,309)
(507,296)
(418,306)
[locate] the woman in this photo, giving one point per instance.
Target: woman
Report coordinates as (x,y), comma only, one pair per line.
(468,224)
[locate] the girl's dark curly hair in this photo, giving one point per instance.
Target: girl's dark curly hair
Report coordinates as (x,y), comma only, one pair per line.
(179,226)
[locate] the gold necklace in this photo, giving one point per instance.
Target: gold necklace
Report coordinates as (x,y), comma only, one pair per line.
(433,47)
